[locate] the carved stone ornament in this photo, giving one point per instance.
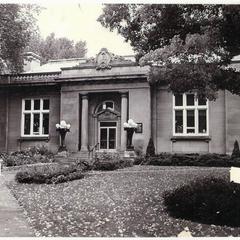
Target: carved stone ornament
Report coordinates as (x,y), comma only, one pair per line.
(103,59)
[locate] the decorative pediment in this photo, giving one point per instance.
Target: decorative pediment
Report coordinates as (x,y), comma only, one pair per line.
(104,60)
(107,114)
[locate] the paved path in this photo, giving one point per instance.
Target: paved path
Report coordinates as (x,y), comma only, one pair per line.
(13,222)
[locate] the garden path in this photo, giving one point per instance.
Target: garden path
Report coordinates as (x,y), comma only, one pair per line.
(13,222)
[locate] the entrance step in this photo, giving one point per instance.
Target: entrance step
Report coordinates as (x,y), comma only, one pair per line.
(66,158)
(80,156)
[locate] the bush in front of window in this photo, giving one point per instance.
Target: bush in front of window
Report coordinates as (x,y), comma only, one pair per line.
(201,160)
(210,201)
(49,174)
(106,161)
(29,156)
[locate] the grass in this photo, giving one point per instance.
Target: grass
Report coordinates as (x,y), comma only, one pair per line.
(125,203)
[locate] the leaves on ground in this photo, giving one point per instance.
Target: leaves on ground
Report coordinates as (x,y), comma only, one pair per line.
(127,202)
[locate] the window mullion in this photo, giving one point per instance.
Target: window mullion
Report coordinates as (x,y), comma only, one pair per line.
(107,138)
(196,120)
(31,124)
(184,114)
(41,124)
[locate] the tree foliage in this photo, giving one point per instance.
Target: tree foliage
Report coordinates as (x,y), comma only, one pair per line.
(17,23)
(188,47)
(56,48)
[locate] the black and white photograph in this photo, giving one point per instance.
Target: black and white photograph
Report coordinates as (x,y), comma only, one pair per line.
(119,119)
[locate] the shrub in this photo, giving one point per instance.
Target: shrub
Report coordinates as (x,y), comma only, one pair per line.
(139,160)
(208,160)
(49,174)
(236,151)
(110,161)
(28,156)
(210,201)
(150,152)
(83,165)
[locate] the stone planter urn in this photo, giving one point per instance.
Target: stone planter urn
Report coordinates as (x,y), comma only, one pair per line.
(130,127)
(62,128)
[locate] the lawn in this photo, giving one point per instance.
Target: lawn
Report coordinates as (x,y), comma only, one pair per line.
(125,203)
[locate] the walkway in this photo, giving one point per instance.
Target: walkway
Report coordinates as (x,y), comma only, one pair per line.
(13,222)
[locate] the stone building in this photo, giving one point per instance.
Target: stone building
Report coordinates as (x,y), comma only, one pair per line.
(96,96)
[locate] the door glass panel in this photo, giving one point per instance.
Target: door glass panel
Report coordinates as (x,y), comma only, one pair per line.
(36,124)
(103,138)
(112,138)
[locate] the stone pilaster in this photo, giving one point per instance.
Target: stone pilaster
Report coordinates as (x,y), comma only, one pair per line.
(124,111)
(84,125)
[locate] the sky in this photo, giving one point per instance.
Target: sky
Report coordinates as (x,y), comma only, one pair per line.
(79,22)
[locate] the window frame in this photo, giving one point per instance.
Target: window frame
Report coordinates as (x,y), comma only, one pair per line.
(196,109)
(40,111)
(104,103)
(99,136)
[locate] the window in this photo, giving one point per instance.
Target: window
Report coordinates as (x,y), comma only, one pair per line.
(35,117)
(190,115)
(106,105)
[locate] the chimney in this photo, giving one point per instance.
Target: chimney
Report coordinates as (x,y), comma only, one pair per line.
(31,61)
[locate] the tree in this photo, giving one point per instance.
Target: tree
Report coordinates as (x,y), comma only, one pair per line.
(236,151)
(187,46)
(150,152)
(56,48)
(17,23)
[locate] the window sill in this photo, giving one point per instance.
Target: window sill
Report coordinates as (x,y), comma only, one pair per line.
(190,138)
(31,138)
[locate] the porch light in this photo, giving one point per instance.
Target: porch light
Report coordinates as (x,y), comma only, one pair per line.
(130,127)
(62,128)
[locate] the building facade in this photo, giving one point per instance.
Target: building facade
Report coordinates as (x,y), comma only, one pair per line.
(96,96)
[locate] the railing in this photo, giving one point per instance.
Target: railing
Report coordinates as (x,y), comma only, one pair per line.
(28,78)
(92,150)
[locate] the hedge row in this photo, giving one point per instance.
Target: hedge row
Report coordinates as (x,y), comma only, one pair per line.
(49,174)
(208,160)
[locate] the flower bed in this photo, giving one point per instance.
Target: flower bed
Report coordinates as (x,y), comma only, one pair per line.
(29,156)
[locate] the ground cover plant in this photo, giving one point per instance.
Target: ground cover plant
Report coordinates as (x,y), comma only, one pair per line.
(125,203)
(29,156)
(49,174)
(211,200)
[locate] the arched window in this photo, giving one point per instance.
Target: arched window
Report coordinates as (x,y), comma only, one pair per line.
(105,105)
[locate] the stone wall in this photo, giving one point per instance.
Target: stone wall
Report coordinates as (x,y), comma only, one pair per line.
(15,142)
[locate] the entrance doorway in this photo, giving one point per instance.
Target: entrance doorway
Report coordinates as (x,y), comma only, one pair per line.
(108,135)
